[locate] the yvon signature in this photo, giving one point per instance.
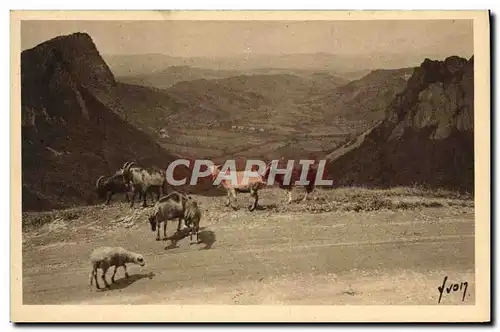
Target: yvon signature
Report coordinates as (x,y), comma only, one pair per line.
(453,287)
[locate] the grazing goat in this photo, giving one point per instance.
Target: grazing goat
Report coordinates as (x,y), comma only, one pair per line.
(175,206)
(144,181)
(105,257)
(253,184)
(295,176)
(192,217)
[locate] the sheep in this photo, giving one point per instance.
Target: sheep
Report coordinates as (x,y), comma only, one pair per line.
(105,257)
(175,206)
(144,181)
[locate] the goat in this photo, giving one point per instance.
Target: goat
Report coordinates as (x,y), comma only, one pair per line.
(192,217)
(105,257)
(253,184)
(107,187)
(295,176)
(144,181)
(175,206)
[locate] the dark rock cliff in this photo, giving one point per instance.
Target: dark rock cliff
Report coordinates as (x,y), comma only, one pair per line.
(69,135)
(426,138)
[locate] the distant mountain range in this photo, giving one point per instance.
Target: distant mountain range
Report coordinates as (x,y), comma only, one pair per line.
(354,66)
(166,78)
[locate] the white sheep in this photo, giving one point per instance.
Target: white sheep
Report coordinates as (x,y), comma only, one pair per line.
(105,257)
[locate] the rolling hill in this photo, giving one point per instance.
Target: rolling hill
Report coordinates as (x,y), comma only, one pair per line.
(364,99)
(277,112)
(165,78)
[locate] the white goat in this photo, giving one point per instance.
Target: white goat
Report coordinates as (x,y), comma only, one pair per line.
(105,257)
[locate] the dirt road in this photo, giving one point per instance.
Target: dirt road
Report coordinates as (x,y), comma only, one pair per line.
(291,256)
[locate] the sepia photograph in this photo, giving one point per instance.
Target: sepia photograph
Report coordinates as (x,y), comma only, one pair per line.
(250,166)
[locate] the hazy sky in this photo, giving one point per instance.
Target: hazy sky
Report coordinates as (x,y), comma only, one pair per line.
(221,38)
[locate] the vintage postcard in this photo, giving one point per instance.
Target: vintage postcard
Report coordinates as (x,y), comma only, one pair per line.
(250,166)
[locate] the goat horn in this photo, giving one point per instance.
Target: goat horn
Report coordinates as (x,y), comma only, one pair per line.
(99,180)
(127,168)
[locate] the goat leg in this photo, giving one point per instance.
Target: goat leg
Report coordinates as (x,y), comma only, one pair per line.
(133,198)
(289,196)
(127,197)
(126,272)
(160,193)
(234,203)
(108,197)
(253,193)
(144,198)
(113,276)
(309,190)
(165,231)
(157,231)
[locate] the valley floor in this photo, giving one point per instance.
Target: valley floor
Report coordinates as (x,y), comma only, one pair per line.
(395,252)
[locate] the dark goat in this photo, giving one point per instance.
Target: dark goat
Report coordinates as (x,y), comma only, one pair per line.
(107,187)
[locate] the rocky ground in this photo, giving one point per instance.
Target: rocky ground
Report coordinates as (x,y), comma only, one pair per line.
(344,246)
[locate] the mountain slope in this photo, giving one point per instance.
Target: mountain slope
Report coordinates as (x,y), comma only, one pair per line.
(70,136)
(279,88)
(364,99)
(427,136)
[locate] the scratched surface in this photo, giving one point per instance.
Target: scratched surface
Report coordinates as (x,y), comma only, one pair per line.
(398,256)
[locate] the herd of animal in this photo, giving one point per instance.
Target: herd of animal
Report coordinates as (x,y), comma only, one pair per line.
(133,180)
(175,205)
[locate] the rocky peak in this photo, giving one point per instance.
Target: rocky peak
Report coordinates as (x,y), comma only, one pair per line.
(74,55)
(54,73)
(430,89)
(70,135)
(427,137)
